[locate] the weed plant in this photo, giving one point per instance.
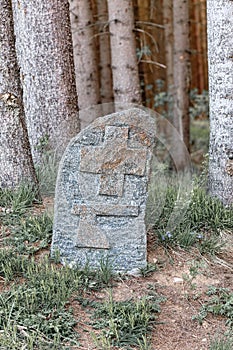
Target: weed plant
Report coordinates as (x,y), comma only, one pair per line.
(12,266)
(125,323)
(34,305)
(199,104)
(40,305)
(204,220)
(35,310)
(31,233)
(199,130)
(17,201)
(196,267)
(222,344)
(14,204)
(149,269)
(47,173)
(220,303)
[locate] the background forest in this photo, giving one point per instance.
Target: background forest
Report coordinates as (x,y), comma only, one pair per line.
(76,61)
(171,56)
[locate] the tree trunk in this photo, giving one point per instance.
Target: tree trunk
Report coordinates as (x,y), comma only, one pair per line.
(126,85)
(16,165)
(204,42)
(181,73)
(199,55)
(106,88)
(220,58)
(85,58)
(198,45)
(168,39)
(145,47)
(44,50)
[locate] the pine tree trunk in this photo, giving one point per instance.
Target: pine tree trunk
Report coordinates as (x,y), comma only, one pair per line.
(168,39)
(143,41)
(199,79)
(106,88)
(200,72)
(16,166)
(204,42)
(220,58)
(151,48)
(181,74)
(85,58)
(44,51)
(126,84)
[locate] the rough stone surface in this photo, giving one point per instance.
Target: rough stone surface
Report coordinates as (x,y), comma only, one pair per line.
(101,192)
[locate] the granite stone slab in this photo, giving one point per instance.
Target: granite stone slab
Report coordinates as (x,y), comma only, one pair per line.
(101,193)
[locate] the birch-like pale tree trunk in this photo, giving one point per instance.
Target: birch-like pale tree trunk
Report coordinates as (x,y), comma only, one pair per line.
(45,55)
(106,89)
(126,85)
(16,165)
(220,59)
(85,59)
(181,75)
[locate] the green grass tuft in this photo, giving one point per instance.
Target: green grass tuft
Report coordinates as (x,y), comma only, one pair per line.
(202,224)
(47,173)
(39,305)
(125,323)
(222,344)
(32,233)
(17,201)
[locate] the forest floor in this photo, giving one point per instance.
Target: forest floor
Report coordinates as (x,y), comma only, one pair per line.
(180,279)
(184,294)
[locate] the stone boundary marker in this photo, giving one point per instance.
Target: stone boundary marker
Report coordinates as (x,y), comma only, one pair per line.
(101,193)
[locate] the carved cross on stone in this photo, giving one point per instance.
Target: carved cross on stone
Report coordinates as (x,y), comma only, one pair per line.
(113,160)
(101,192)
(89,235)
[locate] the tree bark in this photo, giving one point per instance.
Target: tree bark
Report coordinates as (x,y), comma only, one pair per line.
(126,85)
(85,58)
(44,51)
(199,56)
(181,73)
(204,42)
(168,38)
(16,165)
(220,59)
(106,88)
(199,79)
(144,45)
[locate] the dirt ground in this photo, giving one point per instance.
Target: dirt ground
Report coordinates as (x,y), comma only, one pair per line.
(184,294)
(176,329)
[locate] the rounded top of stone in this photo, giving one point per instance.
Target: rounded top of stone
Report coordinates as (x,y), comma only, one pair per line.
(139,119)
